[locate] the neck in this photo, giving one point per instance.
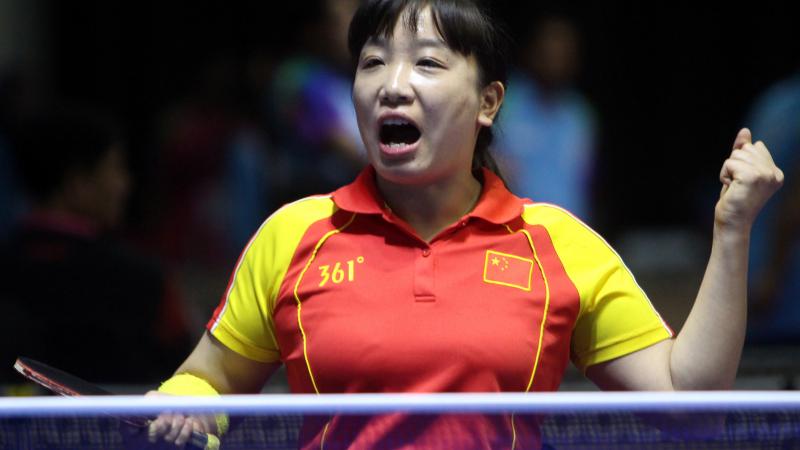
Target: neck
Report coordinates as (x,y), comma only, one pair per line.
(431,208)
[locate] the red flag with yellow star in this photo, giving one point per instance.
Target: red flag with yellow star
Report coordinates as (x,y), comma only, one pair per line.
(508,270)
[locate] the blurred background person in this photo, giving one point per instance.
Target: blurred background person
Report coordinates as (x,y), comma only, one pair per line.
(775,248)
(73,296)
(310,107)
(214,182)
(214,175)
(547,133)
(21,92)
(11,203)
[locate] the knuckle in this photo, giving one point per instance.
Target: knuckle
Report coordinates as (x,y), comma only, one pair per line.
(203,424)
(191,425)
(175,428)
(183,436)
(160,425)
(747,177)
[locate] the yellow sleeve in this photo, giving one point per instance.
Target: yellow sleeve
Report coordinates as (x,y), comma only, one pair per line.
(243,322)
(616,317)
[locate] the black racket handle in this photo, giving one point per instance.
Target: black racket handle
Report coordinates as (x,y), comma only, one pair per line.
(134,437)
(202,441)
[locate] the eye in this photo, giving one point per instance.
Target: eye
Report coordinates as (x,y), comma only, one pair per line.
(430,63)
(370,62)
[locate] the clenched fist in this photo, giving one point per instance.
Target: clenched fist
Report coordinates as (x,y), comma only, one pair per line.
(749,178)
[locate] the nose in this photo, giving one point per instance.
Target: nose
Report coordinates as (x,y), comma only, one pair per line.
(397,86)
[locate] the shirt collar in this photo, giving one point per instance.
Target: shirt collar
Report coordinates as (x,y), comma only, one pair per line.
(496,203)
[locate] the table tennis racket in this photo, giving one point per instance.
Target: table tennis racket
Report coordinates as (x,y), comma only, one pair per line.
(69,385)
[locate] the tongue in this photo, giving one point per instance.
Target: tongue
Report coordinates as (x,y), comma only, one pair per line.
(399,134)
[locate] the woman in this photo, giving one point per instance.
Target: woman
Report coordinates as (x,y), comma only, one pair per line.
(427,275)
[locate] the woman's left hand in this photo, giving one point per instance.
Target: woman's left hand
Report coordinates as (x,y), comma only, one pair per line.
(749,178)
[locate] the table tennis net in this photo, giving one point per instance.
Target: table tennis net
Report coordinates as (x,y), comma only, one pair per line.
(662,424)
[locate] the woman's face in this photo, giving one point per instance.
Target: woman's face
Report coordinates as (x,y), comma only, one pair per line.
(419,105)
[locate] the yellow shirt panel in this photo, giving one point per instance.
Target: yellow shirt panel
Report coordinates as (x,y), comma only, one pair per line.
(244,322)
(616,317)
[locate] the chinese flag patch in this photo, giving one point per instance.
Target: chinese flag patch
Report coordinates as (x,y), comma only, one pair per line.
(507,270)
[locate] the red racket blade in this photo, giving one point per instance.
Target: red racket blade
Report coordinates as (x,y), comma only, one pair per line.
(69,385)
(56,380)
(65,384)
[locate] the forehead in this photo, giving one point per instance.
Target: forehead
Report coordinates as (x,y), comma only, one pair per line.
(417,30)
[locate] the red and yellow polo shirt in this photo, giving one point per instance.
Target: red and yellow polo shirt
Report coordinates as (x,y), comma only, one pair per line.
(346,295)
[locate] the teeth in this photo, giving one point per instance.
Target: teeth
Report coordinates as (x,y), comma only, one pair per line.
(396,121)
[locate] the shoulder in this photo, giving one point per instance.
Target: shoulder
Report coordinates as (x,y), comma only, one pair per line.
(286,226)
(303,211)
(568,233)
(549,216)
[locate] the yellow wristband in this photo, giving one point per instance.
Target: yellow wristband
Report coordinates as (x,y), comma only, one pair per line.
(213,443)
(188,384)
(222,423)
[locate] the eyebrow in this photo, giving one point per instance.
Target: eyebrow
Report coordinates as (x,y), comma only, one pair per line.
(381,41)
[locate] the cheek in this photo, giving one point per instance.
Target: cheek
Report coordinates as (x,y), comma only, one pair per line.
(454,92)
(458,109)
(364,88)
(361,104)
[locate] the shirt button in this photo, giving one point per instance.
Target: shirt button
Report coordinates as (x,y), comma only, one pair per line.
(426,252)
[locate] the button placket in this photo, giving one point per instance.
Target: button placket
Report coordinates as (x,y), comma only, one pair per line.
(424,276)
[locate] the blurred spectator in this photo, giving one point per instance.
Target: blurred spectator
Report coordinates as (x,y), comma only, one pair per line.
(215,181)
(546,142)
(775,239)
(21,91)
(72,295)
(311,106)
(11,203)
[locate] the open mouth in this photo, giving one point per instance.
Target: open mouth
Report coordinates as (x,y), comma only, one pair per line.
(398,133)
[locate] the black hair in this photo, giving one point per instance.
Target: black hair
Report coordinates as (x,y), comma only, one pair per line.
(48,146)
(466,27)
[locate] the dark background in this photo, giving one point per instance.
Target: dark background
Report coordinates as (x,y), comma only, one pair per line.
(671,82)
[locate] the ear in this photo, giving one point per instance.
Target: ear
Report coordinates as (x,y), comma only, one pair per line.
(491,98)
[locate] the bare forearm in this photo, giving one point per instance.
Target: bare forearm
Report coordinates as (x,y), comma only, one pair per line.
(707,351)
(226,371)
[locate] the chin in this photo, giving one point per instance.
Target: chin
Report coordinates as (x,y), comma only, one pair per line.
(405,173)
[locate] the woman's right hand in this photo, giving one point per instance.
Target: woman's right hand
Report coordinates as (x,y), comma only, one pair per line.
(221,367)
(176,428)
